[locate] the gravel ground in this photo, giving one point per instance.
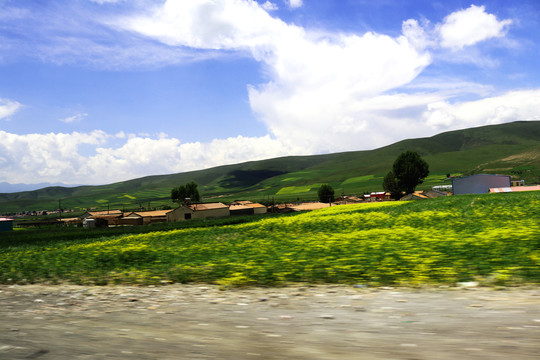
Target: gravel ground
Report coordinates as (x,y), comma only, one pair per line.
(297,322)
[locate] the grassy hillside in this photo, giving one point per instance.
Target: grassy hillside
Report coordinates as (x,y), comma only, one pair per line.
(512,149)
(491,238)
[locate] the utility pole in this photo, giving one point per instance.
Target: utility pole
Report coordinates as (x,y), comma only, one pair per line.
(60,208)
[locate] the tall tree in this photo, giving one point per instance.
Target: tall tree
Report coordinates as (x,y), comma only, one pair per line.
(410,170)
(326,193)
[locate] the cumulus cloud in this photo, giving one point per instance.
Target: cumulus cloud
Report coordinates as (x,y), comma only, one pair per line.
(8,108)
(511,106)
(317,83)
(45,157)
(59,157)
(470,26)
(325,90)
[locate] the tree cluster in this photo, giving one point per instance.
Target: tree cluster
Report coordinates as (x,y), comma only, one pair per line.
(408,171)
(185,193)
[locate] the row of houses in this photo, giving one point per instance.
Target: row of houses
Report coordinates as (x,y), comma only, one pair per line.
(182,213)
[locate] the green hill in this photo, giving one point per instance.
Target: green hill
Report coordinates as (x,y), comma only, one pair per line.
(512,148)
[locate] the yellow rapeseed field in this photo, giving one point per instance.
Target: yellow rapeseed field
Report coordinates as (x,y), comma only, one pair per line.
(493,238)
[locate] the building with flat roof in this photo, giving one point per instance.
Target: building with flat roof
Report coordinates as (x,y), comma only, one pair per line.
(479,184)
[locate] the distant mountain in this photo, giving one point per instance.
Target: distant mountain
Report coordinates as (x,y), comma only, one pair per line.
(512,149)
(11,188)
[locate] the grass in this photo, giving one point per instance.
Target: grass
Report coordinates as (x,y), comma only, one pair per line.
(494,238)
(358,179)
(295,190)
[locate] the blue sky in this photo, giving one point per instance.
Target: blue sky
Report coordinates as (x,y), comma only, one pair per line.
(98,91)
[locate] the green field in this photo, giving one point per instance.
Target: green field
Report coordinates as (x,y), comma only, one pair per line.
(511,149)
(492,238)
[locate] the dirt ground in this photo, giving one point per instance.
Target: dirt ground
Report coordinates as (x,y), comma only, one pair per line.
(298,322)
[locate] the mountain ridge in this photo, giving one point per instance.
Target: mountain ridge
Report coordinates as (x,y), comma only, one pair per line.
(511,148)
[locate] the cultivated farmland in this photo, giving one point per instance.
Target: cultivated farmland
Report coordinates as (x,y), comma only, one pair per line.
(492,238)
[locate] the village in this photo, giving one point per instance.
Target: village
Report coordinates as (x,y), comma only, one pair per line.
(474,184)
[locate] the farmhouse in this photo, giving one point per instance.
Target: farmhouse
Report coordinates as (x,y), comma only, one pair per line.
(102,218)
(377,196)
(96,214)
(246,208)
(144,217)
(479,184)
(198,211)
(6,224)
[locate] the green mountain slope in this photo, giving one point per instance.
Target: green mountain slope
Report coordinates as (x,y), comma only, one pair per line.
(512,149)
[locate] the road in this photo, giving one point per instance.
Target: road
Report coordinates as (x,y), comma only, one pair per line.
(296,322)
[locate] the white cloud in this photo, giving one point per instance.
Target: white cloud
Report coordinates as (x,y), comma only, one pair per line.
(269,6)
(45,157)
(470,26)
(74,118)
(325,91)
(8,108)
(294,4)
(511,106)
(416,34)
(317,84)
(57,157)
(205,24)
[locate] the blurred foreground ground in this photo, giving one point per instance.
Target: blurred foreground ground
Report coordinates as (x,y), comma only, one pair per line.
(301,322)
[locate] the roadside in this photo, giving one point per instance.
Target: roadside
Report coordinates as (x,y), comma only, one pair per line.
(297,322)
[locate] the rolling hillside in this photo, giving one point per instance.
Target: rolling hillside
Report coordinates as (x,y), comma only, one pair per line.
(512,149)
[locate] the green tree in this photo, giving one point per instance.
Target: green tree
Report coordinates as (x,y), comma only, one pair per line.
(409,171)
(391,186)
(326,193)
(188,191)
(192,192)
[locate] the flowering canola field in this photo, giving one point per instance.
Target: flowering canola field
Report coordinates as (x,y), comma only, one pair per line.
(492,238)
